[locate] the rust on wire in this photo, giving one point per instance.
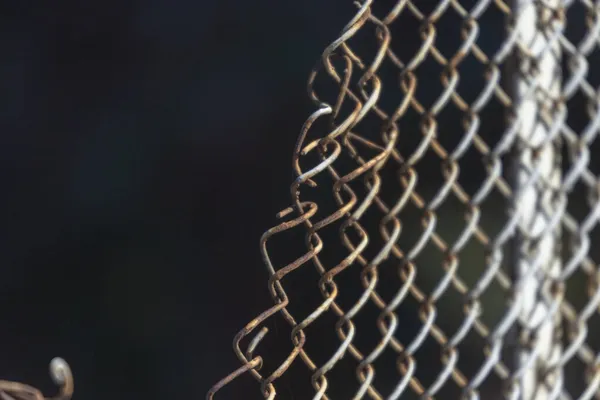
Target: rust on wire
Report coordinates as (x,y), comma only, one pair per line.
(61,375)
(373,152)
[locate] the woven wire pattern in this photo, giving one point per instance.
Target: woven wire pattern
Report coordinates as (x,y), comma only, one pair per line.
(408,184)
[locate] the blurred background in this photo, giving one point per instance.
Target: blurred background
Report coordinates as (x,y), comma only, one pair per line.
(145,147)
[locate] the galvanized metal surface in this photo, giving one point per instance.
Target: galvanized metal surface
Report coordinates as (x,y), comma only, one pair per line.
(527,282)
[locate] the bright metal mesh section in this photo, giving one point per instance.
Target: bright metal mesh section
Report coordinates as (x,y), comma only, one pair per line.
(444,208)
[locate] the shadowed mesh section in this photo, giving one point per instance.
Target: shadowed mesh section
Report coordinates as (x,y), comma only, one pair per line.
(439,238)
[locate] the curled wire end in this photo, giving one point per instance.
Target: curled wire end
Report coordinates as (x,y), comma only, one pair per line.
(284,213)
(256,340)
(60,372)
(61,375)
(252,364)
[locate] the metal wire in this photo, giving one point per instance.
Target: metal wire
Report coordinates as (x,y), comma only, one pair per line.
(61,375)
(536,260)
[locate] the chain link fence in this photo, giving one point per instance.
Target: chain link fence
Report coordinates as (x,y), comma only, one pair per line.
(446,198)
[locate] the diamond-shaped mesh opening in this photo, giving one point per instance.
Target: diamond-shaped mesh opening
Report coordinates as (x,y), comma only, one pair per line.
(440,236)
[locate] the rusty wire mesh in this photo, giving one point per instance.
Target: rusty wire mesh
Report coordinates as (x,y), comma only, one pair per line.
(416,245)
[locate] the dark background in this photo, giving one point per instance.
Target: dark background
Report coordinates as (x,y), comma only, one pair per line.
(145,147)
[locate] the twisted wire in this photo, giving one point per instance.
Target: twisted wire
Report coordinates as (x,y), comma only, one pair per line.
(360,86)
(61,375)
